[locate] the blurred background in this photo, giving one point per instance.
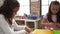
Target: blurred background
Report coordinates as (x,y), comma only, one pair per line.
(32,11)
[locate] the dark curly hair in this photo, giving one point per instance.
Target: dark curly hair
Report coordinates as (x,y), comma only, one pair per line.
(7,9)
(49,12)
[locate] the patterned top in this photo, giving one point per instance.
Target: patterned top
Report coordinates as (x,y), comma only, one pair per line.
(54,18)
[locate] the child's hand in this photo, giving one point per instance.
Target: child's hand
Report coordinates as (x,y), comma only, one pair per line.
(27,33)
(51,29)
(28,29)
(51,24)
(57,24)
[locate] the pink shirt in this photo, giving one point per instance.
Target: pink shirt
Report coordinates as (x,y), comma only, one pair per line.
(54,18)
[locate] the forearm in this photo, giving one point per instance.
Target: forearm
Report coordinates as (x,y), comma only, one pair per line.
(47,24)
(58,25)
(20,27)
(18,32)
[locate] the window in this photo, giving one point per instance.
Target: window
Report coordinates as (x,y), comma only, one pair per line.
(45,6)
(58,0)
(24,7)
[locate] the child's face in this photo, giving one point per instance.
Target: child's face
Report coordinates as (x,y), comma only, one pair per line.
(54,9)
(15,10)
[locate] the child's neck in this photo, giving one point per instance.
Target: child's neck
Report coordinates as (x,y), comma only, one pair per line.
(53,14)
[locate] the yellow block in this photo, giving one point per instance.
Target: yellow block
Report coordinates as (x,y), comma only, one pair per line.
(42,31)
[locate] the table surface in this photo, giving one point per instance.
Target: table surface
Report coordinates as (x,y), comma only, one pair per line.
(42,31)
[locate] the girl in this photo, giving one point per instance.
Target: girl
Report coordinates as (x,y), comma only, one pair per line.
(52,18)
(7,13)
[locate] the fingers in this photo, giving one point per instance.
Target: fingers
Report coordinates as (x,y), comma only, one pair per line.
(28,29)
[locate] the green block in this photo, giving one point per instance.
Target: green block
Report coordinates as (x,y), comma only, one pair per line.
(56,31)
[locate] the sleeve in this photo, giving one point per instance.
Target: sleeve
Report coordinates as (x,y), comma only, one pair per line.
(17,27)
(6,28)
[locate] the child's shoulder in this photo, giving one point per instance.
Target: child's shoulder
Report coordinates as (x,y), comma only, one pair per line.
(45,16)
